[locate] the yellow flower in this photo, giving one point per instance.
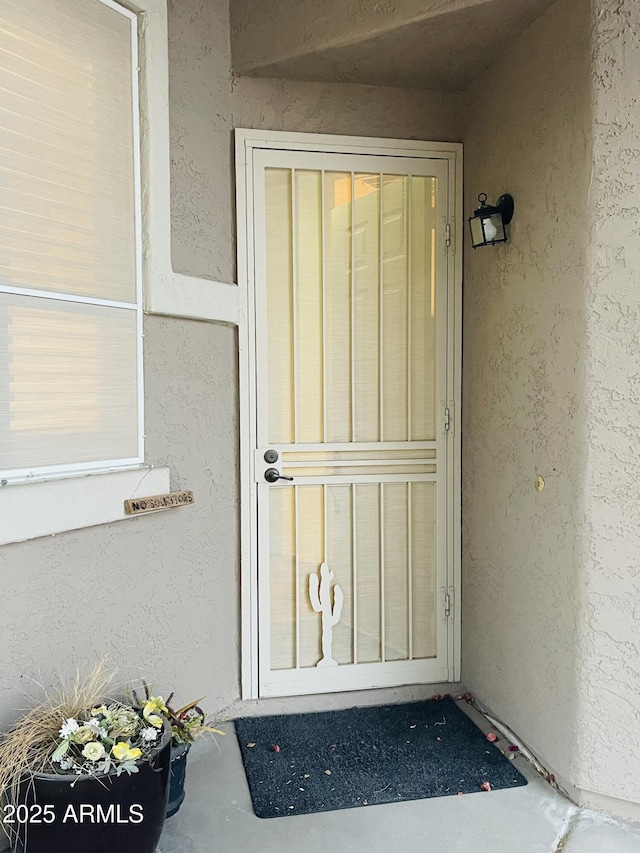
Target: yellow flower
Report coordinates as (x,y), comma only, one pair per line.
(101,709)
(155,703)
(123,752)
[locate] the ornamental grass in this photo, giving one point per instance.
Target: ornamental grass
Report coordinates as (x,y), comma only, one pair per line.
(31,741)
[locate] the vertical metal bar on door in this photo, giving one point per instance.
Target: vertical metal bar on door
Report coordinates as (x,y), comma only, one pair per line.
(381,406)
(324,308)
(434,191)
(381,316)
(409,250)
(410,566)
(409,301)
(325,537)
(354,571)
(294,300)
(297,568)
(383,640)
(353,313)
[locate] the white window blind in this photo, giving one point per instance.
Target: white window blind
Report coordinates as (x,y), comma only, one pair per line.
(70,289)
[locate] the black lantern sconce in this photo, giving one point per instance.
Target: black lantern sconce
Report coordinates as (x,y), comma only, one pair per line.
(488,223)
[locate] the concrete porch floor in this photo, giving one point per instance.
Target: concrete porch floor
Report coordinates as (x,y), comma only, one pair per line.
(217,817)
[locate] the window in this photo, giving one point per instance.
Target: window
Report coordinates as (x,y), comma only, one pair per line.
(70,239)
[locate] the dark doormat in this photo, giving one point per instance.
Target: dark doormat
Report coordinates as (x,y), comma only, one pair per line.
(305,763)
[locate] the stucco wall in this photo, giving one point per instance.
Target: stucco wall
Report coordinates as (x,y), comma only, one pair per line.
(609,761)
(158,592)
(527,132)
(201,139)
(343,108)
(265,32)
(289,37)
(435,46)
(550,580)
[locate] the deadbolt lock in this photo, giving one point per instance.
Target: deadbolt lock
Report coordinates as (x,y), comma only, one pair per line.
(271,456)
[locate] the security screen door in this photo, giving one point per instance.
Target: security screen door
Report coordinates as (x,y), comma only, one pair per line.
(350,277)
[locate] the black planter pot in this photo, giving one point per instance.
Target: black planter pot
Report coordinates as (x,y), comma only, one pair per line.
(178,772)
(102,814)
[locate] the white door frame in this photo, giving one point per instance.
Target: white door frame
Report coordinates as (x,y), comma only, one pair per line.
(246,142)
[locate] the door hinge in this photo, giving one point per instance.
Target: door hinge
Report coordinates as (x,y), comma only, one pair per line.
(448,593)
(448,234)
(447,605)
(447,418)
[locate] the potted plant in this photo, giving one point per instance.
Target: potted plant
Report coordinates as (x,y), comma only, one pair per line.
(187,724)
(83,772)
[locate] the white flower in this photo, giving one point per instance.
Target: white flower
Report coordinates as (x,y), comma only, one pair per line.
(69,727)
(149,734)
(65,764)
(94,725)
(94,751)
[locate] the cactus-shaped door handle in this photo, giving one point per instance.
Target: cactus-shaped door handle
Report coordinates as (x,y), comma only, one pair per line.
(320,595)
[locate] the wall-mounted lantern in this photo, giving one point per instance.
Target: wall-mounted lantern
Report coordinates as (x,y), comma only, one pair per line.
(488,222)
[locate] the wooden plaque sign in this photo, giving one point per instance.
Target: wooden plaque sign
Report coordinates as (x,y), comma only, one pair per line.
(156,502)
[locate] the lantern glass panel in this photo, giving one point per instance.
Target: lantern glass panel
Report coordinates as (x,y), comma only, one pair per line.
(477,233)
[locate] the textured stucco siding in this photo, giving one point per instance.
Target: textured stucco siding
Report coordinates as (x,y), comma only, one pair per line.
(524,386)
(551,385)
(265,32)
(158,593)
(201,139)
(344,108)
(610,616)
(440,46)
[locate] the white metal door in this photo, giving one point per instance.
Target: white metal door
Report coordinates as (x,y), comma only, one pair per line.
(352,330)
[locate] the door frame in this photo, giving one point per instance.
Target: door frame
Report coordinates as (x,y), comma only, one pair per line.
(245,143)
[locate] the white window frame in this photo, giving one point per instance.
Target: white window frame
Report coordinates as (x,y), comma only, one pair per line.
(22,475)
(62,498)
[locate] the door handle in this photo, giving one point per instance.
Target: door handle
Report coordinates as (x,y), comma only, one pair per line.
(272,475)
